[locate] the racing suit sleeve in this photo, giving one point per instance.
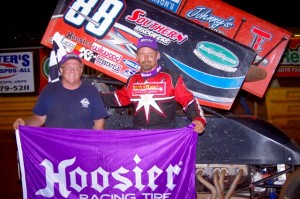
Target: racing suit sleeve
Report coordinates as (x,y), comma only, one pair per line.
(116,98)
(189,103)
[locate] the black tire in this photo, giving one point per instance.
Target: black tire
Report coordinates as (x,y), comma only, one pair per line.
(291,188)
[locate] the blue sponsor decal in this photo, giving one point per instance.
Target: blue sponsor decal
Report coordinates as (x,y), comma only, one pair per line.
(171,5)
(128,72)
(131,64)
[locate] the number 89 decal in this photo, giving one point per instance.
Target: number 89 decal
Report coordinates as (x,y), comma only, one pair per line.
(97,22)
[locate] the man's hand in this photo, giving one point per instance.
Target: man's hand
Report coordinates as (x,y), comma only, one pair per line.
(18,122)
(199,127)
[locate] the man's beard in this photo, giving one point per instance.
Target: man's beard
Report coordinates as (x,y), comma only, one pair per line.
(147,66)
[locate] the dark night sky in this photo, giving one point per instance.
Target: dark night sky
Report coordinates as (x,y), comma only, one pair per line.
(280,13)
(24,20)
(27,20)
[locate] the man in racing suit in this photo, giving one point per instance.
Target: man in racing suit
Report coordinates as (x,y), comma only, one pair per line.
(154,93)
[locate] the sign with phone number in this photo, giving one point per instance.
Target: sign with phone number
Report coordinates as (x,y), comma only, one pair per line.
(16,72)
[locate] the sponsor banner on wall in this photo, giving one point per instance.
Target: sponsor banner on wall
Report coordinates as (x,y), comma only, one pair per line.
(213,66)
(268,40)
(107,164)
(16,72)
(289,65)
(44,56)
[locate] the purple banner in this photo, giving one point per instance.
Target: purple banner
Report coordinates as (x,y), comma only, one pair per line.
(122,164)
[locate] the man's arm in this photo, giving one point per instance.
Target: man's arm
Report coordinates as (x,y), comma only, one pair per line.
(191,106)
(99,124)
(116,99)
(34,120)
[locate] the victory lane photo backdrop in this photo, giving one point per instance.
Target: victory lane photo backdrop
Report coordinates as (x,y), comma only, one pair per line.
(105,33)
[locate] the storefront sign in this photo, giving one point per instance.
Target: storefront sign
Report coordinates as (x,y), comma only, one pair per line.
(289,65)
(16,72)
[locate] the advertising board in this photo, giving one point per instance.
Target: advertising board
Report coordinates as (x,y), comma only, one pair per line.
(289,66)
(105,34)
(17,72)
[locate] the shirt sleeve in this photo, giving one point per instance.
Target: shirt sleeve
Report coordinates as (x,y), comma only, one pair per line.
(98,109)
(189,103)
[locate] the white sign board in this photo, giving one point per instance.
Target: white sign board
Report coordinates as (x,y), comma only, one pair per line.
(16,72)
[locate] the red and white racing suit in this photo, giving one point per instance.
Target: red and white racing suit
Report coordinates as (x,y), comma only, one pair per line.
(154,100)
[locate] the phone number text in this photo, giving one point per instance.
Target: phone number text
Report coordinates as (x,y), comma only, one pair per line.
(15,88)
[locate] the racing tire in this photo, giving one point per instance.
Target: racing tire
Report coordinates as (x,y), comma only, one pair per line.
(291,187)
